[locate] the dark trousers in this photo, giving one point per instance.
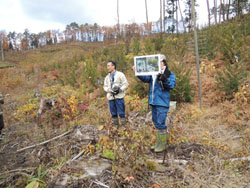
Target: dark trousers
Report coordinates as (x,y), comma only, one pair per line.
(117,107)
(1,123)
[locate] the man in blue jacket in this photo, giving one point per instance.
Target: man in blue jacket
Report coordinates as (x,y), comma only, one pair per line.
(159,99)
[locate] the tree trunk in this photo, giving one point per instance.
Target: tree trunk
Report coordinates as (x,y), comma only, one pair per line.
(238,7)
(164,9)
(161,15)
(181,16)
(1,46)
(228,9)
(215,11)
(118,21)
(208,10)
(223,13)
(173,18)
(189,20)
(177,30)
(196,52)
(146,7)
(220,12)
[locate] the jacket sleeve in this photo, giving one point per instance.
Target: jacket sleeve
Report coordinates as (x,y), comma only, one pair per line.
(171,82)
(124,82)
(105,86)
(145,79)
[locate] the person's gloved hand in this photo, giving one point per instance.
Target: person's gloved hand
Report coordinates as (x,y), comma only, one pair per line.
(162,77)
(115,90)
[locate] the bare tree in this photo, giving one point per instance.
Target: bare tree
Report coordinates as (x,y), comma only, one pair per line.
(1,46)
(118,21)
(181,16)
(177,29)
(208,10)
(146,7)
(220,11)
(164,10)
(215,11)
(223,10)
(228,9)
(161,15)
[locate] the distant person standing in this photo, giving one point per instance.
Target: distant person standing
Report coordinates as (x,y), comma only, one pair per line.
(115,84)
(159,99)
(1,115)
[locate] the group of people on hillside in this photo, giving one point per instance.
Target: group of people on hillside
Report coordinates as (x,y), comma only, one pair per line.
(115,84)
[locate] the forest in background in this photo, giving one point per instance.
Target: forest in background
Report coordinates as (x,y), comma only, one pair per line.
(175,17)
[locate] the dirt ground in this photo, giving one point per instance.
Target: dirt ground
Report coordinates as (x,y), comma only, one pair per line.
(181,161)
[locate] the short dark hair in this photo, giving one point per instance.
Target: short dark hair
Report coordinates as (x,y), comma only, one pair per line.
(165,62)
(113,63)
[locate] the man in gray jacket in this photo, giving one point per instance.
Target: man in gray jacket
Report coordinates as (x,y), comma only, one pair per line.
(115,84)
(1,115)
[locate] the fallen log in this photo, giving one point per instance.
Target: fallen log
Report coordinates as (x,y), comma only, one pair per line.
(160,161)
(100,183)
(45,142)
(240,159)
(17,170)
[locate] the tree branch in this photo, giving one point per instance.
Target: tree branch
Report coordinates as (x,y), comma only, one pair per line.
(45,142)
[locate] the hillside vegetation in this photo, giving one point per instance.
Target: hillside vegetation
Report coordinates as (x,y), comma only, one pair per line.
(205,146)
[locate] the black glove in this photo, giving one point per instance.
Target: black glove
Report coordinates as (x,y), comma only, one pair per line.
(162,77)
(115,90)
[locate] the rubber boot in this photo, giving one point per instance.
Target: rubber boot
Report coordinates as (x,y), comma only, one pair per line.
(162,141)
(157,141)
(123,121)
(115,121)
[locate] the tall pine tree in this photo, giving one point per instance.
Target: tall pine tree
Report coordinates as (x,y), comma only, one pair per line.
(240,6)
(188,13)
(170,18)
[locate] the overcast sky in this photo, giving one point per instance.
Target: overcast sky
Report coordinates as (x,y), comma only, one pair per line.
(42,15)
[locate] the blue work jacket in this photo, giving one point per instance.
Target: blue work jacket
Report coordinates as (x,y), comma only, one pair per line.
(157,95)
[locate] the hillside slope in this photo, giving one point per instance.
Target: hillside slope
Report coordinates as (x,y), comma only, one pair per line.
(207,147)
